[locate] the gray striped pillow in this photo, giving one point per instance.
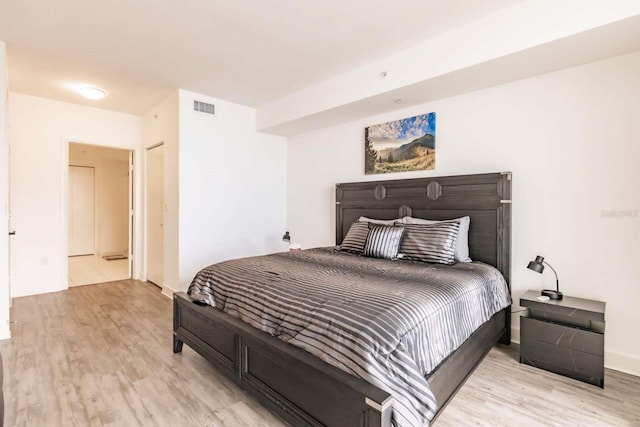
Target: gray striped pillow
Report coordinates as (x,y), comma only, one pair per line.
(462,242)
(383,241)
(356,238)
(430,243)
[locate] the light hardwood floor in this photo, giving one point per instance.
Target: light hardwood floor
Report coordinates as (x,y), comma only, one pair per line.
(502,392)
(92,269)
(101,355)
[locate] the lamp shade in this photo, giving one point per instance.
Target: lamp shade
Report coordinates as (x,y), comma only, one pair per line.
(537,264)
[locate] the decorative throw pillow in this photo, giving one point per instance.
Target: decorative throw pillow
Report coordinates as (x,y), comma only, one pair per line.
(356,238)
(383,241)
(462,241)
(430,242)
(379,221)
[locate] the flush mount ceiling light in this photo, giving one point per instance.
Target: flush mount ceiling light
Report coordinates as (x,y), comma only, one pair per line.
(91,92)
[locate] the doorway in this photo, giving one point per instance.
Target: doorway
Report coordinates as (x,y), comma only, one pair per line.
(99,214)
(155,214)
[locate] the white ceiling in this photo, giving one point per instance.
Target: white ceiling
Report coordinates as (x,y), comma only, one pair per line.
(245,51)
(619,38)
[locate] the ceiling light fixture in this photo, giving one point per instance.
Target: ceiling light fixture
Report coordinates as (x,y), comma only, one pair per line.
(91,92)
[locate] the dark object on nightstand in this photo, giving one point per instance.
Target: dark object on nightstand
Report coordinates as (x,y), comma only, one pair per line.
(537,265)
(564,336)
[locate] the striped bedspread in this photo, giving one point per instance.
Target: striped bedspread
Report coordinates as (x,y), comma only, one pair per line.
(388,322)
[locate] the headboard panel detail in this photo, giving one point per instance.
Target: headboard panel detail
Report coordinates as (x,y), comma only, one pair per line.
(486,198)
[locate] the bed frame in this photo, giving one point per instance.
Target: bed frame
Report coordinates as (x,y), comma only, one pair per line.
(305,391)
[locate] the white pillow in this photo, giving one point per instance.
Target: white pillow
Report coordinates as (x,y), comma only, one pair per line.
(379,221)
(462,242)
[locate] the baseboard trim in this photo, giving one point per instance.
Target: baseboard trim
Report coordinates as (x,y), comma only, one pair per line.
(167,292)
(622,362)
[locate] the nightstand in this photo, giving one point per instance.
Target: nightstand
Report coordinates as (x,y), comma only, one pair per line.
(564,336)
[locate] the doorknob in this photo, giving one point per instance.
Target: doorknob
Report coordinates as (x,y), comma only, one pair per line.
(12,233)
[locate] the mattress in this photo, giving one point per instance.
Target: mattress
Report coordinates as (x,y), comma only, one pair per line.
(388,322)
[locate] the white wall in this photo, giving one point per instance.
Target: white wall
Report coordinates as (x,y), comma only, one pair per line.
(570,139)
(232,186)
(111,194)
(39,132)
(4,201)
(160,125)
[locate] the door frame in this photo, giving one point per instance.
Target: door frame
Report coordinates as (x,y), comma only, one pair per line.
(64,226)
(145,274)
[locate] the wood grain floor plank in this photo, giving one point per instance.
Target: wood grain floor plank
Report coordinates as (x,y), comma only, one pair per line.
(100,355)
(502,392)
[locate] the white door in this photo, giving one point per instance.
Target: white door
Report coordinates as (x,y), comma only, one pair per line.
(155,215)
(81,211)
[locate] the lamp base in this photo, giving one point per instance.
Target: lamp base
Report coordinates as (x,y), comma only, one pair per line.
(557,295)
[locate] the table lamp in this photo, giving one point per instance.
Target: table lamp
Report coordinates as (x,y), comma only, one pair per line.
(537,265)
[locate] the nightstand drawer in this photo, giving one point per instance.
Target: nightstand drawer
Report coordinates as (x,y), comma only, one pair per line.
(564,361)
(562,336)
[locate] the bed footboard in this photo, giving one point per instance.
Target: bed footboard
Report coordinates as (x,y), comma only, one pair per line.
(294,384)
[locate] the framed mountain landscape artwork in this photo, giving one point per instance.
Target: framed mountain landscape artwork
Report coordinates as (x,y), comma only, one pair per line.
(401,146)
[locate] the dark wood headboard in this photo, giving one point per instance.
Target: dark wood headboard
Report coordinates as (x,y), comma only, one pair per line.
(486,198)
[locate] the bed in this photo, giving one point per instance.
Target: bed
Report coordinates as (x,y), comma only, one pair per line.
(305,390)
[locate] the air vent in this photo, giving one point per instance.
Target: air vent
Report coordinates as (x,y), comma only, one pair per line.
(203,107)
